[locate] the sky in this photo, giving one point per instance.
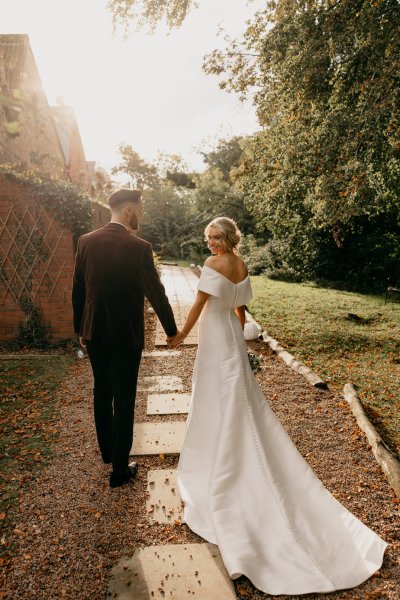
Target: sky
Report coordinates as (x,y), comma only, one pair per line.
(148,91)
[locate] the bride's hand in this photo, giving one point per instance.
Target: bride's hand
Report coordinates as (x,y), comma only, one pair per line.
(176,340)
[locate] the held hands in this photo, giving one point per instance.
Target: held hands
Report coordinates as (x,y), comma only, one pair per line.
(175,340)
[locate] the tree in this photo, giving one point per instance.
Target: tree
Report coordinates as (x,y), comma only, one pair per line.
(170,222)
(325,79)
(149,12)
(174,169)
(216,193)
(103,185)
(142,174)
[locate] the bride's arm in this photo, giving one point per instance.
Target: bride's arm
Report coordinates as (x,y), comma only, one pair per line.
(241,315)
(191,319)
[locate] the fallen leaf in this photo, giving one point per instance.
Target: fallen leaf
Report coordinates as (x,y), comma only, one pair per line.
(242,591)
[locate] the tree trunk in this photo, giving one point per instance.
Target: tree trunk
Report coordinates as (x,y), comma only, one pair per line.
(386,460)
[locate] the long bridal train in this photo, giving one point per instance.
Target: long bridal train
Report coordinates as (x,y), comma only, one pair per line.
(244,484)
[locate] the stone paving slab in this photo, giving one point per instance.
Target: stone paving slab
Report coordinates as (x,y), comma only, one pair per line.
(164,503)
(160,353)
(174,572)
(160,383)
(181,287)
(168,404)
(158,438)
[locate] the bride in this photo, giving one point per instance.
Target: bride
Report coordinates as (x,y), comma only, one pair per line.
(244,484)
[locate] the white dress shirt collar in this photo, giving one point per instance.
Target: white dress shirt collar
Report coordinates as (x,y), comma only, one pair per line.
(117,223)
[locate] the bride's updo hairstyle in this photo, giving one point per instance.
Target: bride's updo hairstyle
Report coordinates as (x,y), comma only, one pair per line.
(228,230)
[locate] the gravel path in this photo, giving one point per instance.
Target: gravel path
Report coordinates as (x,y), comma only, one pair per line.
(72,528)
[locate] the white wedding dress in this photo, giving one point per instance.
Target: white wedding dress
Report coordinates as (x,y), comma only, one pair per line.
(244,484)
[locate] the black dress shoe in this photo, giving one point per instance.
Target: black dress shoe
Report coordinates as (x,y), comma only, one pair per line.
(116,480)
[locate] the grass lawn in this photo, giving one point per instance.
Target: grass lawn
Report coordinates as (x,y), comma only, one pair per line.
(28,412)
(314,325)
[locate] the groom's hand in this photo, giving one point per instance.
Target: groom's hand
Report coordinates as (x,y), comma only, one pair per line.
(174,340)
(170,340)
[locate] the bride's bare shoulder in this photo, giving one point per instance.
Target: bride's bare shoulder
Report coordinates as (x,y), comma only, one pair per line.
(211,262)
(217,263)
(232,267)
(243,266)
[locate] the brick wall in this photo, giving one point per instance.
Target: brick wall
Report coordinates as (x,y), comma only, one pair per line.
(36,260)
(71,146)
(38,138)
(49,140)
(101,215)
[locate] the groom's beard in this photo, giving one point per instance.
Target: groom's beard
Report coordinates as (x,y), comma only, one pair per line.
(134,223)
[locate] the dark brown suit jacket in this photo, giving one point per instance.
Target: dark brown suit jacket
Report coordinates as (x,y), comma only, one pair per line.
(114,271)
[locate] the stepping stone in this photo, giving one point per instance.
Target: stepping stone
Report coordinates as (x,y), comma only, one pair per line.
(181,288)
(168,404)
(173,571)
(158,438)
(160,383)
(190,340)
(160,353)
(164,503)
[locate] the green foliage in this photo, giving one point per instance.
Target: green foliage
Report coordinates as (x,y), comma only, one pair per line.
(255,361)
(172,224)
(66,202)
(225,157)
(33,332)
(178,204)
(143,175)
(170,221)
(216,193)
(181,179)
(324,172)
(257,257)
(11,102)
(149,13)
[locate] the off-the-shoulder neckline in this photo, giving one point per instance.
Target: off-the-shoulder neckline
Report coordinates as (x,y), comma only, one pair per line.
(225,277)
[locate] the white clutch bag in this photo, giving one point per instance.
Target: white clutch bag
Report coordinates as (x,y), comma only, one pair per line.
(251,331)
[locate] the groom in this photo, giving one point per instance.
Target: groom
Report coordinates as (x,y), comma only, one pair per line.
(114,272)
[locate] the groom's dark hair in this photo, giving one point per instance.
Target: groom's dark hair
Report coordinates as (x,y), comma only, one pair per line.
(124,196)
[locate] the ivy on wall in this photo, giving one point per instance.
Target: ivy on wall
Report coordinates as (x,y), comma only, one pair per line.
(73,210)
(71,207)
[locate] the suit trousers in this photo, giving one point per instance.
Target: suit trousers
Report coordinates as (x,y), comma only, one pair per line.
(115,372)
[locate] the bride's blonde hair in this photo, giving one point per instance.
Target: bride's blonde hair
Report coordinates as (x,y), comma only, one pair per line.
(228,229)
